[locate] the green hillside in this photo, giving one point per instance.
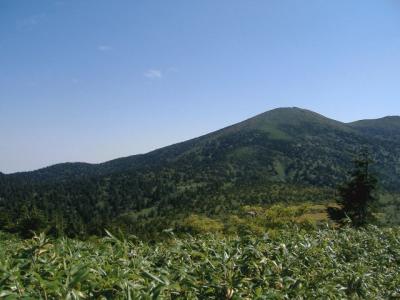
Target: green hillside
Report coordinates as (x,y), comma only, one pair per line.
(384,128)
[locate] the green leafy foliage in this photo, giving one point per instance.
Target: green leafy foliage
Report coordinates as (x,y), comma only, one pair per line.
(292,264)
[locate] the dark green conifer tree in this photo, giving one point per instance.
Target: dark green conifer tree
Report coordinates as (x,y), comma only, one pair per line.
(357,193)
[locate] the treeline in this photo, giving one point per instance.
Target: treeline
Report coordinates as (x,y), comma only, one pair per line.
(139,203)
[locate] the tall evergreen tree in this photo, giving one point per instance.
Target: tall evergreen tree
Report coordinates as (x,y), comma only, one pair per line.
(357,194)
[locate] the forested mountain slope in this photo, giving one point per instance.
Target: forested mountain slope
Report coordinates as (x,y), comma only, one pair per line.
(271,157)
(384,128)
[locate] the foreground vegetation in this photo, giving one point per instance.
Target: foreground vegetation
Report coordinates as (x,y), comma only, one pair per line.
(293,263)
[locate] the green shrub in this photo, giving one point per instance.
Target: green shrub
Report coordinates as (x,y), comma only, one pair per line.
(201,224)
(285,264)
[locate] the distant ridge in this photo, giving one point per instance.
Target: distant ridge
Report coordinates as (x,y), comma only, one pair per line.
(385,122)
(387,127)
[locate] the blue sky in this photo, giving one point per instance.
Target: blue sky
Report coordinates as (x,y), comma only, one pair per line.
(92,80)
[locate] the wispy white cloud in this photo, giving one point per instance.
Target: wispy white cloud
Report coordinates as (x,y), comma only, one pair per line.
(30,22)
(153,74)
(104,48)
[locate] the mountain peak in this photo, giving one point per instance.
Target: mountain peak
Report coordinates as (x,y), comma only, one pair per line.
(289,109)
(274,120)
(289,112)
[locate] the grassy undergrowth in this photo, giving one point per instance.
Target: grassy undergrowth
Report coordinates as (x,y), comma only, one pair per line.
(256,220)
(294,263)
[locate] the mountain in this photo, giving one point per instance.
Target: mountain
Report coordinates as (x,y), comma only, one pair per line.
(289,144)
(385,128)
(284,154)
